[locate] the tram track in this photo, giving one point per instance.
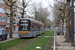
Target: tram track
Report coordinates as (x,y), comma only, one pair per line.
(38,40)
(47,43)
(32,43)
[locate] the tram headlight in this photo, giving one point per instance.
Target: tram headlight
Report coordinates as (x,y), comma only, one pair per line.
(29,32)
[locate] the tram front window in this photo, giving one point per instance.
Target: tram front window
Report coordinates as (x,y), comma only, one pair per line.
(24,26)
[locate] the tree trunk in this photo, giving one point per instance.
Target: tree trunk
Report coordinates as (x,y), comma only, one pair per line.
(11,15)
(68,31)
(68,35)
(62,27)
(23,14)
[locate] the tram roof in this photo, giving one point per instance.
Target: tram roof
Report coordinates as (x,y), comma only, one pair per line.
(33,20)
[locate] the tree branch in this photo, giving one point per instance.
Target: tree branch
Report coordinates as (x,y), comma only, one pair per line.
(27,3)
(14,11)
(6,3)
(60,2)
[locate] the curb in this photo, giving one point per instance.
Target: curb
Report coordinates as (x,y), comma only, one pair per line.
(54,43)
(8,39)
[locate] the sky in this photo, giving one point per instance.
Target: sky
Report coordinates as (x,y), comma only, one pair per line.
(45,4)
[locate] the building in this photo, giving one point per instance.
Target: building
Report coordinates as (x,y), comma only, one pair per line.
(3,16)
(5,20)
(16,17)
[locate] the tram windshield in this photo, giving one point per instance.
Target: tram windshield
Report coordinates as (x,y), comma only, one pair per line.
(24,25)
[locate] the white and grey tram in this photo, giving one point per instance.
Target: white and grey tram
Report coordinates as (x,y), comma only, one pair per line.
(30,27)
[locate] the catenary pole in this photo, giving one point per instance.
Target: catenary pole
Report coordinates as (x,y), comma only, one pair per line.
(72,22)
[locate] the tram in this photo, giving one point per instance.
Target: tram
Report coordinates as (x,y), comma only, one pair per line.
(30,27)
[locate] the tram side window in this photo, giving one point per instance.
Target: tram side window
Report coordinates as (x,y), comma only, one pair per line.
(38,27)
(20,28)
(32,27)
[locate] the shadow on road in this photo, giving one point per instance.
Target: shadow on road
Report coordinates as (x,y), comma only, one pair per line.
(26,37)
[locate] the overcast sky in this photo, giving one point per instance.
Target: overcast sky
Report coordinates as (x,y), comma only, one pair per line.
(45,4)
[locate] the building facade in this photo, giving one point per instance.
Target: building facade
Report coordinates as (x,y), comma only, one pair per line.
(17,15)
(3,16)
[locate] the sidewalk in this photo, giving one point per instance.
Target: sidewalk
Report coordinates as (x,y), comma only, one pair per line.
(61,45)
(15,35)
(8,39)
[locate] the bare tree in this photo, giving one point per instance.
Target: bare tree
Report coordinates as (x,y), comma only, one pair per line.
(68,17)
(10,5)
(61,7)
(24,5)
(42,15)
(57,14)
(66,10)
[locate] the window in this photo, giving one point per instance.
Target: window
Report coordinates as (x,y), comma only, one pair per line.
(2,19)
(24,26)
(2,10)
(19,5)
(8,11)
(19,0)
(18,10)
(14,21)
(1,1)
(0,31)
(8,20)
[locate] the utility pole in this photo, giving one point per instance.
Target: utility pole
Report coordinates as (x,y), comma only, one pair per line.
(36,15)
(72,22)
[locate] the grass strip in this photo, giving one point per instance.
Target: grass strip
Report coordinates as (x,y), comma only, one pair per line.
(12,43)
(49,33)
(49,45)
(41,43)
(16,42)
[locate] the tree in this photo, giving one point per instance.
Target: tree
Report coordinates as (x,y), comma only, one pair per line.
(24,5)
(68,17)
(42,15)
(57,14)
(67,11)
(10,5)
(62,9)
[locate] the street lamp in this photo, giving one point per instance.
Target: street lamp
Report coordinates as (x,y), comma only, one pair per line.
(36,15)
(72,22)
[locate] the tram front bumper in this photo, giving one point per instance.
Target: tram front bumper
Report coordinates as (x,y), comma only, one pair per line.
(25,35)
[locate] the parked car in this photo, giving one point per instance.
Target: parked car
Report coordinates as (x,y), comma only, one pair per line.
(3,34)
(58,31)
